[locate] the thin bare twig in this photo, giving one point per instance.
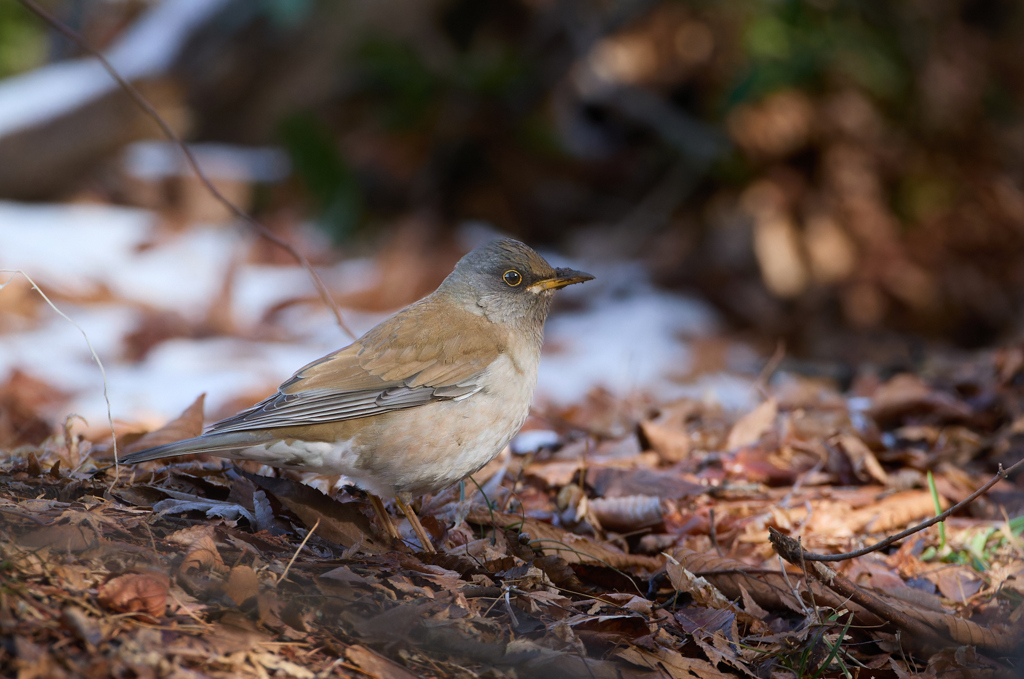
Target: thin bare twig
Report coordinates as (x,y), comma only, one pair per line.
(296,554)
(92,351)
(811,556)
(143,104)
(792,551)
(793,590)
(770,367)
(713,533)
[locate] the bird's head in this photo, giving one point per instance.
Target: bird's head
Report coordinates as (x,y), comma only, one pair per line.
(508,282)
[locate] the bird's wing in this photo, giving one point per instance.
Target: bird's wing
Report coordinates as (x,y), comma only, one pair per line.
(410,359)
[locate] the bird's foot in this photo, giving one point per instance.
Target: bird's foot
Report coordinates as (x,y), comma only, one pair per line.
(417,527)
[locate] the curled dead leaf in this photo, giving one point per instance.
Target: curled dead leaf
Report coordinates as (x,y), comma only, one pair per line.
(703,592)
(767,587)
(202,550)
(554,541)
(752,426)
(339,522)
(375,664)
(136,592)
(627,513)
(865,464)
(187,425)
(906,393)
(22,400)
(676,665)
(242,584)
(893,512)
(671,444)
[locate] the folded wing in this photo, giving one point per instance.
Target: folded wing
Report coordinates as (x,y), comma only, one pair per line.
(402,363)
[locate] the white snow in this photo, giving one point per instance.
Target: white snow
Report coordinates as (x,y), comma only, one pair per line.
(146,49)
(183,274)
(159,159)
(628,337)
(626,344)
(81,249)
(73,246)
(616,332)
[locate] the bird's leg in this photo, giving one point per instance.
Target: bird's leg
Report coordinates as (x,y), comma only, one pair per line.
(383,517)
(417,527)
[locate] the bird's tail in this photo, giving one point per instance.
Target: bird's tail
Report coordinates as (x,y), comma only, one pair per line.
(221,445)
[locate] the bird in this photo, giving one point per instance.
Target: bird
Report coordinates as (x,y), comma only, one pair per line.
(421,401)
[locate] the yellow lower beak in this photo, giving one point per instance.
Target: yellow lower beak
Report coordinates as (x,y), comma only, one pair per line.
(562,278)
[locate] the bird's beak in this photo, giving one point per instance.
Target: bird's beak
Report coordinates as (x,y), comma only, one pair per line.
(562,278)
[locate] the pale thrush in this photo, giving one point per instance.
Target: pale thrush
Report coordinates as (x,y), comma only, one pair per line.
(422,400)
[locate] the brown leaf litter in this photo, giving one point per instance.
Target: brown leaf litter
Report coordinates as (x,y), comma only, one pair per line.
(633,554)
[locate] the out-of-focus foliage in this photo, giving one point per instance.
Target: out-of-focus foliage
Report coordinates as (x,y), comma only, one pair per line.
(874,178)
(809,165)
(22,40)
(325,173)
(809,45)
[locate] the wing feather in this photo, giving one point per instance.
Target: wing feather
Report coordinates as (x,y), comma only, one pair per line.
(411,359)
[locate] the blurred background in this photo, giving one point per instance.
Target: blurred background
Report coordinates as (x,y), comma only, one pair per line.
(842,179)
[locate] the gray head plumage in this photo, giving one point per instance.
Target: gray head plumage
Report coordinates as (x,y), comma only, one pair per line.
(508,282)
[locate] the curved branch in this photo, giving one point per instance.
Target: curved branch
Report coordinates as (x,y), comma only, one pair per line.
(776,537)
(141,102)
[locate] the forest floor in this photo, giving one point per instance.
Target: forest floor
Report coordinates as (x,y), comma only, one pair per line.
(621,535)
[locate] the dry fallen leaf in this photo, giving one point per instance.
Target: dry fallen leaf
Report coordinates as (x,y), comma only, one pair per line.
(554,541)
(702,591)
(907,393)
(136,592)
(187,425)
(242,584)
(671,444)
(23,401)
(752,426)
(893,512)
(375,664)
(626,514)
(202,551)
(865,464)
(340,522)
(957,583)
(676,665)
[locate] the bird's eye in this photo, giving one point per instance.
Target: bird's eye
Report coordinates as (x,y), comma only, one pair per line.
(512,277)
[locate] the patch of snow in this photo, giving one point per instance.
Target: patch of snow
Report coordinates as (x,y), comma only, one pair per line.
(623,342)
(533,440)
(183,274)
(177,371)
(617,332)
(258,288)
(81,248)
(72,247)
(38,96)
(154,160)
(735,393)
(55,352)
(152,43)
(146,49)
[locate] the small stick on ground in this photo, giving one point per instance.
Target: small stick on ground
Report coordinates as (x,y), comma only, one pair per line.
(791,550)
(713,533)
(296,554)
(892,539)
